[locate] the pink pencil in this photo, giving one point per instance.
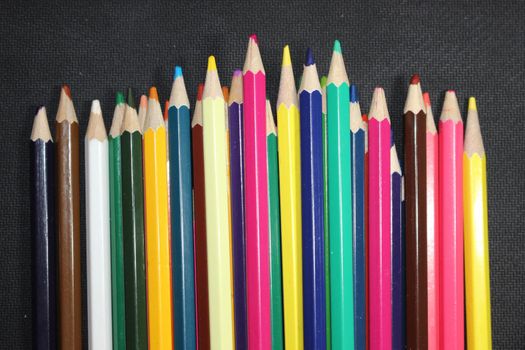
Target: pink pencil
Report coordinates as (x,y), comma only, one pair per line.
(432,228)
(256,179)
(451,324)
(379,262)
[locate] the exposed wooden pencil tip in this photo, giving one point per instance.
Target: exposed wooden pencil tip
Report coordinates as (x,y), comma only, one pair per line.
(450,109)
(378,106)
(200,90)
(414,79)
(119,98)
(96,128)
(287,60)
(354,97)
(41,126)
(144,101)
(254,38)
(337,46)
(67,90)
(153,93)
(472,104)
(166,108)
(426,98)
(212,65)
(177,73)
(95,107)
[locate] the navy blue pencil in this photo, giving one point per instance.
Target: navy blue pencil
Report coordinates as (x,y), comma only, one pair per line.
(357,147)
(181,205)
(398,253)
(314,304)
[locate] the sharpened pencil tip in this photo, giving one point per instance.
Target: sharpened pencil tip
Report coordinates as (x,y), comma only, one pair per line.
(287,60)
(143,101)
(119,98)
(178,72)
(472,104)
(415,79)
(153,93)
(254,38)
(451,92)
(212,65)
(237,72)
(323,81)
(426,99)
(95,107)
(200,90)
(130,100)
(309,57)
(166,108)
(354,96)
(364,118)
(67,90)
(337,46)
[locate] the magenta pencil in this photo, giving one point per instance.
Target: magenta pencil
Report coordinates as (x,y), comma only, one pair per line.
(256,180)
(451,313)
(432,228)
(380,294)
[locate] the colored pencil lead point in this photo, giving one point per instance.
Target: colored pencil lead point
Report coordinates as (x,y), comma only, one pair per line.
(95,107)
(337,46)
(144,101)
(354,96)
(178,72)
(211,63)
(472,104)
(200,90)
(414,79)
(237,72)
(67,90)
(254,38)
(426,99)
(153,93)
(309,57)
(323,81)
(287,60)
(130,100)
(119,98)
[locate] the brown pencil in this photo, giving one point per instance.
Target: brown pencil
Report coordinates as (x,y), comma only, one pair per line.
(68,224)
(416,217)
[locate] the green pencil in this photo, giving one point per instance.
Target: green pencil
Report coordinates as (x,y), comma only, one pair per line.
(115,208)
(133,229)
(326,221)
(276,298)
(340,203)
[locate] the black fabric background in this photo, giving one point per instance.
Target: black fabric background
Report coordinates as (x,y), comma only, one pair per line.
(476,48)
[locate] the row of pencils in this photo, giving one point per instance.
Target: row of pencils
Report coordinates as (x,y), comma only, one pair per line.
(218,232)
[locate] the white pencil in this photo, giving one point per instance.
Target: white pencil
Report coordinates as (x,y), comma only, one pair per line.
(97,233)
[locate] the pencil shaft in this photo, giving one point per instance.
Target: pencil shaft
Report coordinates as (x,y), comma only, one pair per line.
(181,227)
(313,224)
(357,150)
(379,259)
(43,244)
(451,305)
(133,233)
(68,228)
(477,276)
(98,250)
(275,245)
(235,125)
(367,226)
(340,216)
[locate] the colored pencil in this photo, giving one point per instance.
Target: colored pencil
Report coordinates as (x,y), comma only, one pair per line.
(98,250)
(275,233)
(256,179)
(199,235)
(289,149)
(217,218)
(118,300)
(416,220)
(379,257)
(181,207)
(398,253)
(364,118)
(143,108)
(226,93)
(357,149)
(43,234)
(477,271)
(133,228)
(432,228)
(340,202)
(326,220)
(311,124)
(451,305)
(158,269)
(68,224)
(235,125)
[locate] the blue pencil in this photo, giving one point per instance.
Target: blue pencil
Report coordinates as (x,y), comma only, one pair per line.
(314,304)
(181,215)
(357,147)
(398,253)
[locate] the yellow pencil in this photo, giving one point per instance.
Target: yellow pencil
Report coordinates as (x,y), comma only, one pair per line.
(477,281)
(217,211)
(156,223)
(290,194)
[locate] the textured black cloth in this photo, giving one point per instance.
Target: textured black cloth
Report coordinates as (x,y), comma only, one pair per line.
(476,48)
